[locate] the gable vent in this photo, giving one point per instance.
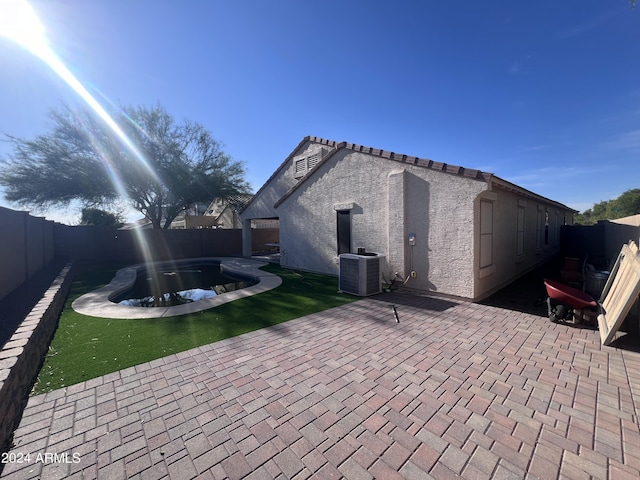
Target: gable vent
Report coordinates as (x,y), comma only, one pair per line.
(312,160)
(303,165)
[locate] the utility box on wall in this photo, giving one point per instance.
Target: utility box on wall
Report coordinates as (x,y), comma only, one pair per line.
(360,274)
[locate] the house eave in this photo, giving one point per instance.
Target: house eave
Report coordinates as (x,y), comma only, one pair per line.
(512,187)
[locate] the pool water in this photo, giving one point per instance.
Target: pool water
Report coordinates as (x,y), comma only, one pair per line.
(169,287)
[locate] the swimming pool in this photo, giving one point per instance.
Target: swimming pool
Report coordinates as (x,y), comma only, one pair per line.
(176,285)
(100,303)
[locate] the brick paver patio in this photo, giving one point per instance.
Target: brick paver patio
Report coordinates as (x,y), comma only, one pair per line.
(454,390)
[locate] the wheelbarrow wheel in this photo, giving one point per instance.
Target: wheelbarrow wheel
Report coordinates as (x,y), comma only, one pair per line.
(557,312)
(560,312)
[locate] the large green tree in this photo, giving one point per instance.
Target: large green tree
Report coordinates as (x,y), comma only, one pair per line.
(628,203)
(97,217)
(171,166)
(625,205)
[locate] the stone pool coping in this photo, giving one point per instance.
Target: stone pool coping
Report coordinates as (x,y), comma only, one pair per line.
(97,303)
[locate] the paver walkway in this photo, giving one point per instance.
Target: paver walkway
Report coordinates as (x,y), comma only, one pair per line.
(454,389)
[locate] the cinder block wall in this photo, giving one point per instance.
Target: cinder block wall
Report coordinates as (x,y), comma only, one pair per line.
(107,244)
(27,247)
(600,243)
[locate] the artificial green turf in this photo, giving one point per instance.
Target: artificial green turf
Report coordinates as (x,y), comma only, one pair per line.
(87,347)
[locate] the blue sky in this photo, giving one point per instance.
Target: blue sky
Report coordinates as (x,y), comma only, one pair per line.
(544,94)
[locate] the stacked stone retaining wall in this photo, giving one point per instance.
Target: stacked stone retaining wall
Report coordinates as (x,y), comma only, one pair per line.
(23,355)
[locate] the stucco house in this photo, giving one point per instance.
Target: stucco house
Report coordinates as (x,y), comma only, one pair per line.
(444,229)
(225,211)
(219,213)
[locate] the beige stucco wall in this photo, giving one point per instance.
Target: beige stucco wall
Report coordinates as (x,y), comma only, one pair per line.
(388,200)
(507,264)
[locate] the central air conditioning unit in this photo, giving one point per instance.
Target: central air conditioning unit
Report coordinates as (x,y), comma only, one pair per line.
(360,274)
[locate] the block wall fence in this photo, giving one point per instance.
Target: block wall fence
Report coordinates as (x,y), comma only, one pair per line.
(30,243)
(26,246)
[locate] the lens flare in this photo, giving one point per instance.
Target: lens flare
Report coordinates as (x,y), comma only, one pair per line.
(20,24)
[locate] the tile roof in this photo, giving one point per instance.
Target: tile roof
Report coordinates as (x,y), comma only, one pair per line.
(450,169)
(400,157)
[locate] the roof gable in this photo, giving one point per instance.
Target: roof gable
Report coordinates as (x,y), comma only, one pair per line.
(277,171)
(386,154)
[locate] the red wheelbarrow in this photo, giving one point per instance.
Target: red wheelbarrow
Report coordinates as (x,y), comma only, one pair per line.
(563,300)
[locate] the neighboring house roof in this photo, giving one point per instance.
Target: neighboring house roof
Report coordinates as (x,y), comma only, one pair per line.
(450,169)
(219,207)
(140,223)
(239,200)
